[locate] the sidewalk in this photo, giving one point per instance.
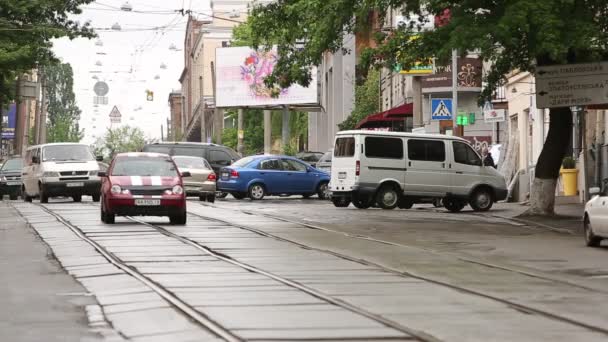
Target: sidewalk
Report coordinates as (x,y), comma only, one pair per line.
(568,217)
(39,301)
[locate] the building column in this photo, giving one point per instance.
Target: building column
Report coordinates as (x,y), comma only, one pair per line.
(285,129)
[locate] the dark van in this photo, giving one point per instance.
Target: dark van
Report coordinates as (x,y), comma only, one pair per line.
(217,155)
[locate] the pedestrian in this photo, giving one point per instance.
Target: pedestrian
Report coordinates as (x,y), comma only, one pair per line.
(487,158)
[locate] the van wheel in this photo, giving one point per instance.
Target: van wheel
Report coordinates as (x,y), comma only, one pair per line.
(340,202)
(221,194)
(96,198)
(257,192)
(481,200)
(405,203)
(362,202)
(323,191)
(438,203)
(238,195)
(211,198)
(387,197)
(591,240)
(77,198)
(453,205)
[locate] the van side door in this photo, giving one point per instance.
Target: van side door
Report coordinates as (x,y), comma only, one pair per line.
(382,159)
(427,167)
(466,169)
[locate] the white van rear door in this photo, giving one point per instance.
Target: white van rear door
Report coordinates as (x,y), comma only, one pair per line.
(344,164)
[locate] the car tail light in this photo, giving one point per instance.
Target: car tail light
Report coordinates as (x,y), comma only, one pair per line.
(212,177)
(358,168)
(234,174)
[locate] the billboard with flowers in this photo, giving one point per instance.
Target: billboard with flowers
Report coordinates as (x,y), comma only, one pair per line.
(240,75)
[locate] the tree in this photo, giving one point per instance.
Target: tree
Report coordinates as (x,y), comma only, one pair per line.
(119,140)
(27,28)
(510,34)
(367,100)
(63,113)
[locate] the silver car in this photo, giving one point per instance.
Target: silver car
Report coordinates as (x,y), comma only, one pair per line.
(202,182)
(324,164)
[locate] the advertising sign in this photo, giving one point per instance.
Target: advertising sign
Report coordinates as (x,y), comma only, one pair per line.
(469,75)
(494,115)
(240,76)
(8,122)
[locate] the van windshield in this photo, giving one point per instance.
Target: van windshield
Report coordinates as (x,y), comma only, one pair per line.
(345,147)
(67,153)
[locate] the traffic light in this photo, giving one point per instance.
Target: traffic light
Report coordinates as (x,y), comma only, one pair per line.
(472,118)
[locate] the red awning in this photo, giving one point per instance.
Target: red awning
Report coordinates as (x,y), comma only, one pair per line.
(393,114)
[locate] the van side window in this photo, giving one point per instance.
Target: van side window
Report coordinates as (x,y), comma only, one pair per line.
(380,147)
(187,151)
(219,158)
(426,150)
(345,147)
(464,154)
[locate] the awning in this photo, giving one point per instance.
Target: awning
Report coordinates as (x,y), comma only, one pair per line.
(393,114)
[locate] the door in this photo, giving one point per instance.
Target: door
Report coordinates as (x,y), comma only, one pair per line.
(219,159)
(299,180)
(466,168)
(382,159)
(272,175)
(427,168)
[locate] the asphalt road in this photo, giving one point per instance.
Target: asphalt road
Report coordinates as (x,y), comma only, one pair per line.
(295,269)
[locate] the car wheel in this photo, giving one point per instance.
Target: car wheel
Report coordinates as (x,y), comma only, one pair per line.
(96,198)
(387,197)
(405,203)
(591,239)
(323,191)
(202,198)
(256,192)
(481,200)
(105,216)
(340,202)
(438,203)
(221,194)
(178,219)
(44,197)
(77,198)
(211,198)
(12,197)
(362,202)
(306,196)
(453,205)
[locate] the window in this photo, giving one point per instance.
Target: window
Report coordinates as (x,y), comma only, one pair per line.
(464,154)
(243,162)
(326,158)
(12,165)
(144,166)
(380,147)
(220,157)
(270,164)
(157,149)
(184,162)
(187,151)
(67,152)
(292,165)
(426,150)
(345,147)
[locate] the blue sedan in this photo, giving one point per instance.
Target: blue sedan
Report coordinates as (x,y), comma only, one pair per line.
(259,176)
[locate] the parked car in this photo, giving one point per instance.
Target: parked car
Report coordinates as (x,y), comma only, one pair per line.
(595,224)
(10,178)
(310,157)
(202,182)
(143,184)
(60,169)
(259,176)
(393,169)
(217,155)
(324,164)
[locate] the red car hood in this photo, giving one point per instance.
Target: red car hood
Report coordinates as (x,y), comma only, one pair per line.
(127,181)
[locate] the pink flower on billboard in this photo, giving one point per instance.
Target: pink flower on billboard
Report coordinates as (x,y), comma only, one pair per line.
(256,67)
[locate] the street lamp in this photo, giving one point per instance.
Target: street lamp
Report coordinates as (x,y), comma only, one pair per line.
(126,7)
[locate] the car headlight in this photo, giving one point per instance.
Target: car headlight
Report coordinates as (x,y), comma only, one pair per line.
(93,173)
(116,190)
(177,190)
(50,174)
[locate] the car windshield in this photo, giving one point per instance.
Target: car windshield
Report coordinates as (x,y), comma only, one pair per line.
(243,162)
(144,166)
(326,158)
(191,163)
(12,165)
(67,153)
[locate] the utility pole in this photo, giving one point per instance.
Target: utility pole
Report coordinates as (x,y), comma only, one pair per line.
(456,130)
(19,119)
(240,132)
(218,121)
(162,133)
(285,128)
(417,103)
(267,131)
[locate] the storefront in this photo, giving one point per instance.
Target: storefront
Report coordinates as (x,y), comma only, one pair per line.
(398,119)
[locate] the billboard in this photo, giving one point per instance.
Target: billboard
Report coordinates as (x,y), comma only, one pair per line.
(8,122)
(240,74)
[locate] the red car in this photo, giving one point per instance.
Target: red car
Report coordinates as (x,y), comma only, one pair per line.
(143,184)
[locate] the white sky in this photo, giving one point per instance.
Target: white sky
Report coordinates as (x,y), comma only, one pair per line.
(131,62)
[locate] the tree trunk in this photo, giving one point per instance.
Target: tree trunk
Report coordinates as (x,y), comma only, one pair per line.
(542,194)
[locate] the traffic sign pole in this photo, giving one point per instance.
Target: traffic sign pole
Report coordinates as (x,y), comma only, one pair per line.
(455,129)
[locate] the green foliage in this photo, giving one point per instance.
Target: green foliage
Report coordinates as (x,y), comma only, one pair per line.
(367,100)
(512,34)
(230,137)
(569,163)
(26,31)
(119,140)
(290,149)
(63,113)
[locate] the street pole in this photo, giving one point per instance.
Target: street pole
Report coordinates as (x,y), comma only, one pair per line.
(240,132)
(285,128)
(43,109)
(455,129)
(267,131)
(162,133)
(417,103)
(19,119)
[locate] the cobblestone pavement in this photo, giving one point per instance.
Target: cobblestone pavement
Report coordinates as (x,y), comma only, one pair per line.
(293,269)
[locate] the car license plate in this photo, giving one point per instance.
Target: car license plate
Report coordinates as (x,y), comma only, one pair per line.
(342,175)
(225,175)
(75,185)
(147,202)
(13,183)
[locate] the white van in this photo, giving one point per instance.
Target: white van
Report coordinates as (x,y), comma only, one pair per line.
(395,169)
(60,169)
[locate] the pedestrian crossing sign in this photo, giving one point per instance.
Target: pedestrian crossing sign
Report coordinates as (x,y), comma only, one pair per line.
(441,109)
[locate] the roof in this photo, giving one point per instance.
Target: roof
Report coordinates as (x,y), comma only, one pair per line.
(393,114)
(141,154)
(401,134)
(57,144)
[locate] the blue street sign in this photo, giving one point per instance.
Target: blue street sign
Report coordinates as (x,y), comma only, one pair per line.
(441,109)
